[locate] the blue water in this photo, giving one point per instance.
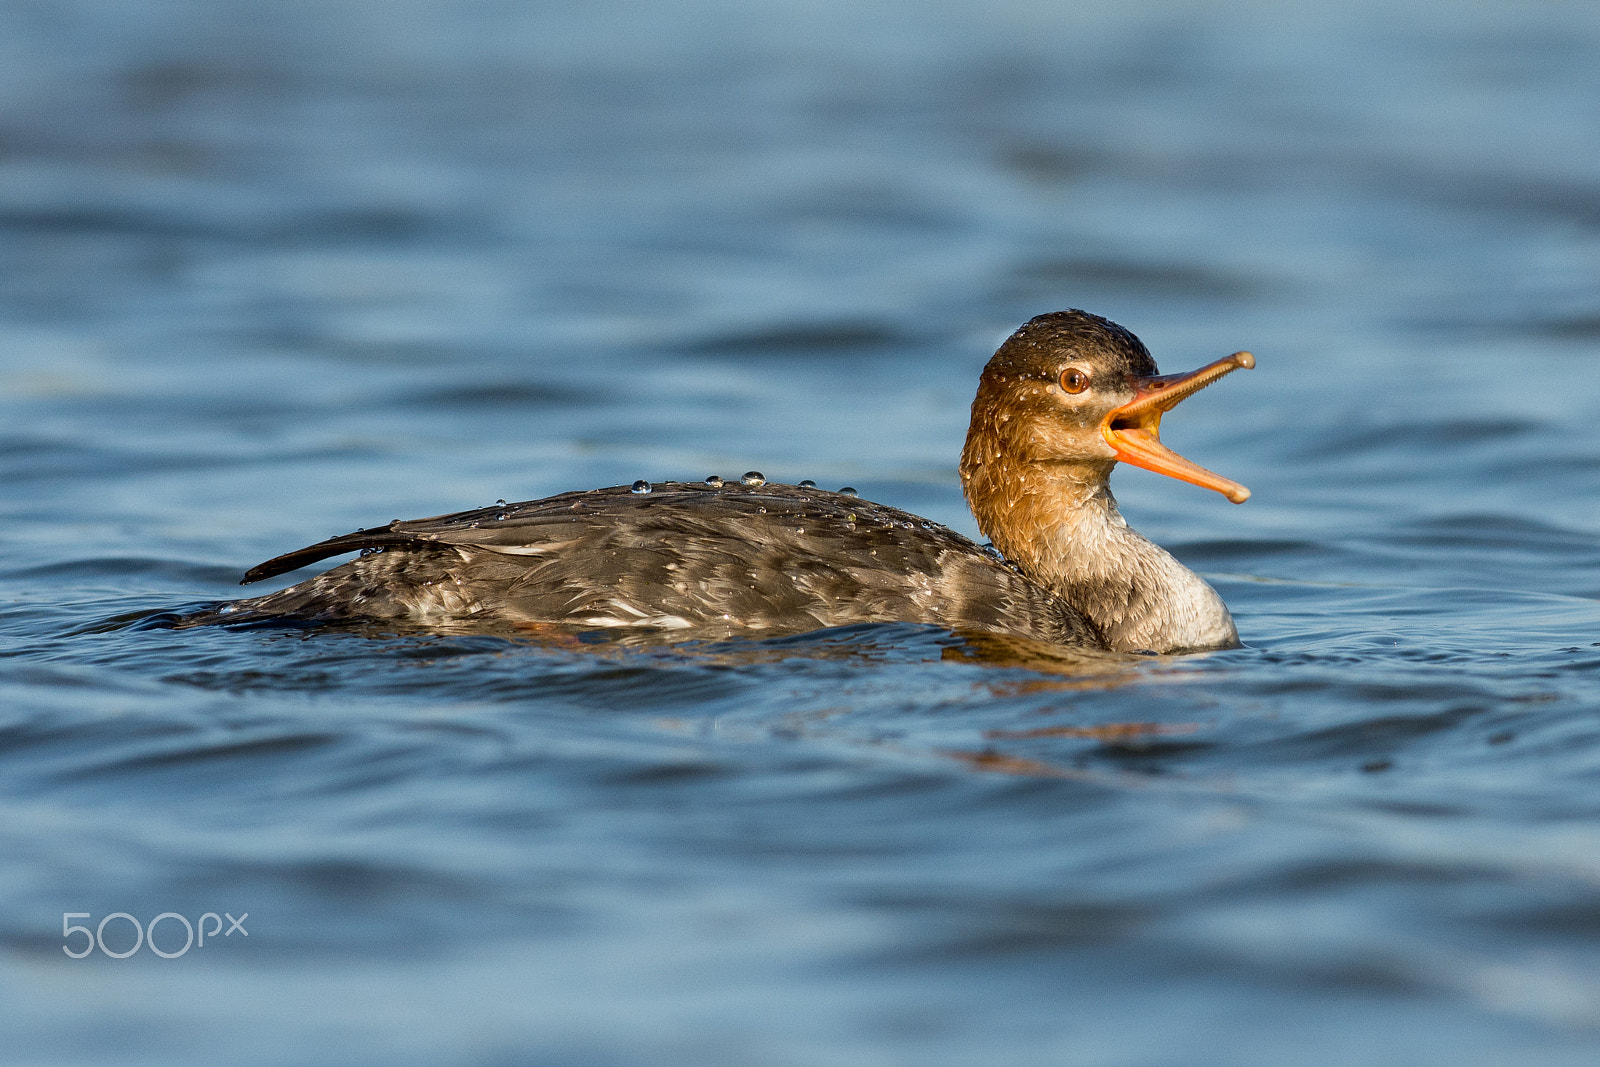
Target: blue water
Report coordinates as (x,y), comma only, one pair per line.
(270,273)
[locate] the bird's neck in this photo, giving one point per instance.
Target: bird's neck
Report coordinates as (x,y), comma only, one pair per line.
(1061,526)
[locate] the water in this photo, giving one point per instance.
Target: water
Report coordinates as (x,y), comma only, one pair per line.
(269,275)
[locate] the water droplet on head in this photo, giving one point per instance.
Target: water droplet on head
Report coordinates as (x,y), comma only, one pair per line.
(641,486)
(848,491)
(714,481)
(227,609)
(808,484)
(754,478)
(500,503)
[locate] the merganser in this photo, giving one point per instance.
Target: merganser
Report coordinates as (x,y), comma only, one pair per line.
(1065,398)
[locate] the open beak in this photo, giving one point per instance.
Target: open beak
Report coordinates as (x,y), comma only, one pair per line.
(1134,429)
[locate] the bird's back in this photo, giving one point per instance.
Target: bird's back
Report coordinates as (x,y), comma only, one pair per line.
(694,559)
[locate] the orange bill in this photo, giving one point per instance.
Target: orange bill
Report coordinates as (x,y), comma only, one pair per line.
(1134,429)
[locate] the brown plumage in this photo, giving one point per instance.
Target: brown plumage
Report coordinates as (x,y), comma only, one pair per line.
(1064,398)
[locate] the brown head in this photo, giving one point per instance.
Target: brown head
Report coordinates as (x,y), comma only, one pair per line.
(1066,397)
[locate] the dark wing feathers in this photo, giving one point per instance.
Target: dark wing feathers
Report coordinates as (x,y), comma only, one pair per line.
(383,537)
(527,523)
(776,557)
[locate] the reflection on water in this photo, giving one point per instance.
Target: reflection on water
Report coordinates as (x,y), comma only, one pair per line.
(267,279)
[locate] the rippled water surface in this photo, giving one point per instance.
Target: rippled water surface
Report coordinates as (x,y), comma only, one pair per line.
(274,272)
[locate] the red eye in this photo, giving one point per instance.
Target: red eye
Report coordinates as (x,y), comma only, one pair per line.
(1074,380)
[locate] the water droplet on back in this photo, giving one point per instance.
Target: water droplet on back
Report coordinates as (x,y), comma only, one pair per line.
(754,478)
(500,503)
(808,484)
(848,491)
(714,481)
(641,486)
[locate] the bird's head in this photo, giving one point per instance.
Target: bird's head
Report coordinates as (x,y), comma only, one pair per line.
(1073,390)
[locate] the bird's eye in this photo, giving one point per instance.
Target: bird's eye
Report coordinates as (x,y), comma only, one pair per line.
(1074,380)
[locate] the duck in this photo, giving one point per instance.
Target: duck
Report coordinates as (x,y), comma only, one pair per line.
(1063,400)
